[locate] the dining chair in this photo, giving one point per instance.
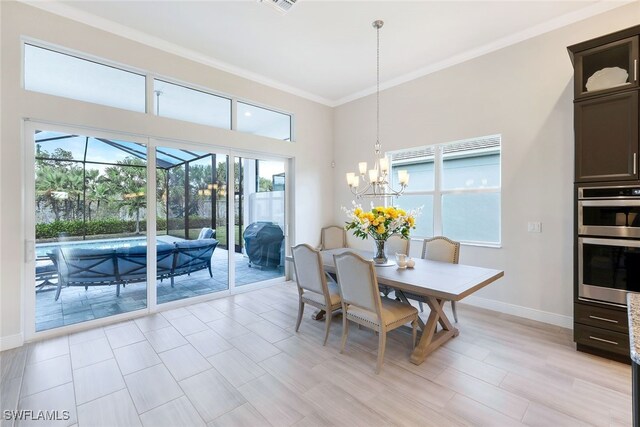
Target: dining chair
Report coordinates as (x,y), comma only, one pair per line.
(333,237)
(313,287)
(362,304)
(397,245)
(443,249)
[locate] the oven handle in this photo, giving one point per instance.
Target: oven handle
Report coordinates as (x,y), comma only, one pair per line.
(607,242)
(605,203)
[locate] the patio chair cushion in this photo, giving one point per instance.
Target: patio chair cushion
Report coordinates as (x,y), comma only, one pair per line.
(193,255)
(207,233)
(86,265)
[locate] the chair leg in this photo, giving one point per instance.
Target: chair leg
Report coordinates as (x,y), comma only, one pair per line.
(455,311)
(327,320)
(58,291)
(382,344)
(414,333)
(210,273)
(172,281)
(345,330)
(421,306)
(300,312)
(118,290)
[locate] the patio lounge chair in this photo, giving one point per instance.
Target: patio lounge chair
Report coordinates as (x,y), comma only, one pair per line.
(121,266)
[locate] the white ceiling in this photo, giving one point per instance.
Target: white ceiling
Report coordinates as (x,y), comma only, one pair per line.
(326,50)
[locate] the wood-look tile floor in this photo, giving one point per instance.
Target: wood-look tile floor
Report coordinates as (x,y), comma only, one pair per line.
(238,362)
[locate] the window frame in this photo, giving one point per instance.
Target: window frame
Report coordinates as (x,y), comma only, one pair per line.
(439,192)
(150,76)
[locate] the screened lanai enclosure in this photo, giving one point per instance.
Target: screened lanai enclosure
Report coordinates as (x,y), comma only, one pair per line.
(92,219)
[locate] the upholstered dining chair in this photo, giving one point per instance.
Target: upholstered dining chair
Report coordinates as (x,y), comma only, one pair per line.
(313,287)
(362,304)
(443,249)
(397,245)
(333,237)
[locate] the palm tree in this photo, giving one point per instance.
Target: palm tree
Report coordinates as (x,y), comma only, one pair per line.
(50,182)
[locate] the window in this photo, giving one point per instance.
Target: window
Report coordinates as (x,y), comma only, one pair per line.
(260,121)
(69,76)
(63,75)
(182,103)
(458,184)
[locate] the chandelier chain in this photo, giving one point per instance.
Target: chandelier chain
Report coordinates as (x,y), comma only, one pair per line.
(378,91)
(376,184)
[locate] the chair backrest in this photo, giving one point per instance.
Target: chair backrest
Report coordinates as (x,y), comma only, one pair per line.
(206,233)
(397,245)
(357,281)
(192,255)
(307,263)
(442,249)
(333,237)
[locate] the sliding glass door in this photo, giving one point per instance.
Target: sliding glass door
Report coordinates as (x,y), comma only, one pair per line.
(114,213)
(90,227)
(191,220)
(259,187)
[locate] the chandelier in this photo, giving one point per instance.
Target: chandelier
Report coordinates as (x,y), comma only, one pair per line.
(375,181)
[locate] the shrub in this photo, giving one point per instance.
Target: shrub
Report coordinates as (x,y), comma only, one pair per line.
(110,226)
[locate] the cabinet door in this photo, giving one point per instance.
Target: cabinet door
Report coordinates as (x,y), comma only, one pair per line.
(608,68)
(606,131)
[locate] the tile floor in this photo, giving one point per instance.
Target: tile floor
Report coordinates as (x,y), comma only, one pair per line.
(237,361)
(77,305)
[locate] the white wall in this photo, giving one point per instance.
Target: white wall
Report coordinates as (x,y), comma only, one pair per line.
(312,148)
(525,93)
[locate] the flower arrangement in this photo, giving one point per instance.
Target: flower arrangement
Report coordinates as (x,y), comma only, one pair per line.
(380,222)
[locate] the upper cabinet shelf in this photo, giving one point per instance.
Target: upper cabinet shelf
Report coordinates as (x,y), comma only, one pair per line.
(611,67)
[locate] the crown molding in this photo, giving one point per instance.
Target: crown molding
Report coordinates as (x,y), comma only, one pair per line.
(70,12)
(107,25)
(548,26)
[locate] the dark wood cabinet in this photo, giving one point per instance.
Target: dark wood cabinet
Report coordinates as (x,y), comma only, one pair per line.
(606,137)
(602,317)
(607,68)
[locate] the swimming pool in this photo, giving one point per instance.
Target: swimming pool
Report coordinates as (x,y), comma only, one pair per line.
(43,248)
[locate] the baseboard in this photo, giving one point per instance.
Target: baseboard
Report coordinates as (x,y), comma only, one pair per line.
(11,341)
(520,311)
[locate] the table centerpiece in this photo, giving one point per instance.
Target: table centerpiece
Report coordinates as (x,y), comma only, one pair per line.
(380,223)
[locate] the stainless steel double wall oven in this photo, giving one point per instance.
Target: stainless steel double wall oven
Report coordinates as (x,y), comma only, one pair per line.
(608,243)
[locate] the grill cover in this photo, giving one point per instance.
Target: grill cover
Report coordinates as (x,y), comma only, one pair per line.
(262,241)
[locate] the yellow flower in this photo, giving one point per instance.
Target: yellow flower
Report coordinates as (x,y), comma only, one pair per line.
(381,229)
(402,212)
(370,216)
(412,221)
(357,212)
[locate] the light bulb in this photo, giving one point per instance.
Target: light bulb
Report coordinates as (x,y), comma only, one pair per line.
(362,166)
(384,164)
(403,177)
(373,175)
(350,177)
(356,181)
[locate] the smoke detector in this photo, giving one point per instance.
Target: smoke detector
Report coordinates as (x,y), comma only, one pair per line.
(281,5)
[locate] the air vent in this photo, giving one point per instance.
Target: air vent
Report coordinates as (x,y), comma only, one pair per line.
(281,5)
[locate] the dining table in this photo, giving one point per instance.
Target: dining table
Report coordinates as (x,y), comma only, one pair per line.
(436,282)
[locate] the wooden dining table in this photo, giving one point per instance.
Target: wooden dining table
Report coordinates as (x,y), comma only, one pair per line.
(437,282)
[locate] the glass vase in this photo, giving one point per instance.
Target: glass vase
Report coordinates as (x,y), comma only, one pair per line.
(381,255)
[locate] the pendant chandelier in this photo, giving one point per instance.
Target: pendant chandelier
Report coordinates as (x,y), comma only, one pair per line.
(375,181)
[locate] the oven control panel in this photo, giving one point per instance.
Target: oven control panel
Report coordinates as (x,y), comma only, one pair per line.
(608,192)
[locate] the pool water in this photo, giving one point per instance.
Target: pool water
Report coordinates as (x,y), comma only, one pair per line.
(43,248)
